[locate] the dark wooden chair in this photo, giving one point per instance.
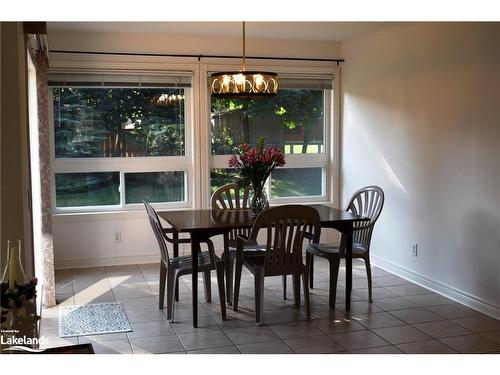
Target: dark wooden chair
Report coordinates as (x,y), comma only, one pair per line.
(171,268)
(287,227)
(367,202)
(231,197)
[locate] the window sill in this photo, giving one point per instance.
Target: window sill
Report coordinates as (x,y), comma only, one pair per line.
(75,216)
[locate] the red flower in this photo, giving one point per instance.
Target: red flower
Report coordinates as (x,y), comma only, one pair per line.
(233,162)
(255,164)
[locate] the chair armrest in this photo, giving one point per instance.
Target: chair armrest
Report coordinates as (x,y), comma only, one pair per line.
(211,251)
(241,241)
(172,240)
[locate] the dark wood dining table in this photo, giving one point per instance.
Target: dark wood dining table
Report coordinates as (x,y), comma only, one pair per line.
(202,224)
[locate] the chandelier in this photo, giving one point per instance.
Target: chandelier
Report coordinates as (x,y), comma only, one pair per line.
(243,83)
(165,100)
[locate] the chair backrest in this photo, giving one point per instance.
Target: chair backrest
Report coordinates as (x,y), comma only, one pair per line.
(286,227)
(154,220)
(367,202)
(232,197)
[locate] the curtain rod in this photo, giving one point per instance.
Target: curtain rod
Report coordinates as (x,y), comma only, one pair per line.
(199,57)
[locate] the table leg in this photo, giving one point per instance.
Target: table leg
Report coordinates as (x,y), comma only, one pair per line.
(175,236)
(348,268)
(228,270)
(195,248)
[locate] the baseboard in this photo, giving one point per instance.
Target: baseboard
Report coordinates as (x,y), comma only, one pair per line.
(106,261)
(448,291)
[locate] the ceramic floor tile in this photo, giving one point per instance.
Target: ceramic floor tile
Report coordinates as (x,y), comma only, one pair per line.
(231,349)
(453,311)
(145,315)
(395,303)
(492,336)
(480,323)
(359,307)
(325,312)
(471,344)
(149,302)
(111,347)
(426,347)
(250,335)
(185,325)
(338,324)
(296,329)
(378,320)
(91,298)
(378,272)
(102,338)
(65,299)
(156,345)
(270,347)
(389,349)
(203,338)
(401,334)
(407,290)
(442,328)
(358,340)
(277,316)
(426,300)
(314,345)
(389,281)
(416,315)
(377,293)
(150,329)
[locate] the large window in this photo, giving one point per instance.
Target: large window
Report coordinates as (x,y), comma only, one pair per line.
(297,120)
(120,137)
(120,141)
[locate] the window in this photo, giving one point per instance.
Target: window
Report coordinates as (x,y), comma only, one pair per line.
(119,140)
(297,120)
(121,136)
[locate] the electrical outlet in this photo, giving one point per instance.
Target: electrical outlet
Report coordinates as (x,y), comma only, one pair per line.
(118,236)
(414,249)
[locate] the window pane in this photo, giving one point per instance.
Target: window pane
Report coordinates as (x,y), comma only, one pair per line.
(220,177)
(118,122)
(296,182)
(154,187)
(87,189)
(292,120)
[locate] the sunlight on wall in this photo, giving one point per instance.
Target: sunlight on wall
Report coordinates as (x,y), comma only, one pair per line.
(367,144)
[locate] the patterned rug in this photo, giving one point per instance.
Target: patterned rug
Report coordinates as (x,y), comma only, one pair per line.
(93,319)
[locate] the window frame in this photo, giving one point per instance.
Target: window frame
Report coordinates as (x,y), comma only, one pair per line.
(328,160)
(197,160)
(125,165)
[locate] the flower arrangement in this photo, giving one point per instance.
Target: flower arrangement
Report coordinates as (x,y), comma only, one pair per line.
(254,165)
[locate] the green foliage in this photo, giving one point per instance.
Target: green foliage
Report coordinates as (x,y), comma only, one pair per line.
(292,108)
(97,122)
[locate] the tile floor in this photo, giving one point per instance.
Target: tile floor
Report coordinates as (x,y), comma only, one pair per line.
(403,318)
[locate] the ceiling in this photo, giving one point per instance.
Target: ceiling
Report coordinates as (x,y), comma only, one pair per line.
(313,31)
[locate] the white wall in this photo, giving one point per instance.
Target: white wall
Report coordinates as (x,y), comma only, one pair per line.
(87,239)
(189,44)
(421,119)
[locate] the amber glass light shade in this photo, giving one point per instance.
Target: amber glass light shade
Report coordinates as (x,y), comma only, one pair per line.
(243,84)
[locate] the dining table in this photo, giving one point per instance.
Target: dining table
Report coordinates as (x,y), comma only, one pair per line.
(202,224)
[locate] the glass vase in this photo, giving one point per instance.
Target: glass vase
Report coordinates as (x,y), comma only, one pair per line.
(13,272)
(259,202)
